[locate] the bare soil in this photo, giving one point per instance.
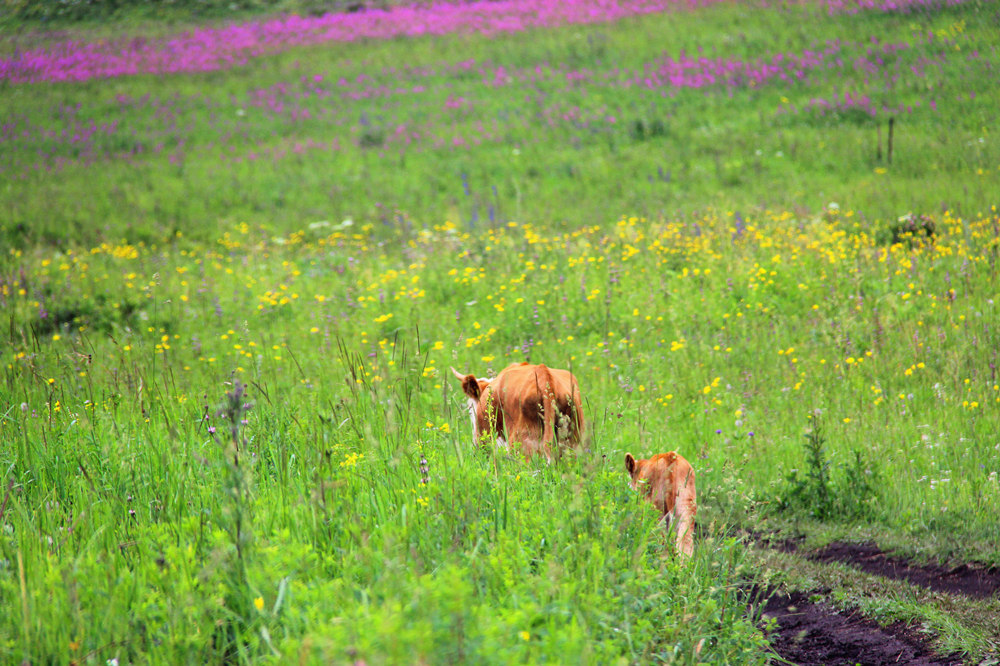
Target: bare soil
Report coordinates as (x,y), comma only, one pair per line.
(967,579)
(809,633)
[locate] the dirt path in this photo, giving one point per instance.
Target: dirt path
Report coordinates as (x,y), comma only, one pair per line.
(964,579)
(969,580)
(813,633)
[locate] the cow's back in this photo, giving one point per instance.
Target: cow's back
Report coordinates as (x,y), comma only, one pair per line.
(523,391)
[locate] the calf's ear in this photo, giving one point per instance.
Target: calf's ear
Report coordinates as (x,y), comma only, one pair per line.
(469,384)
(629,463)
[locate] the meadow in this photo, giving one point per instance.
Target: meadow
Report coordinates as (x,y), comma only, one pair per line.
(240,259)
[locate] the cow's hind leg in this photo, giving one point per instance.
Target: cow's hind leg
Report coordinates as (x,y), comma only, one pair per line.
(685,508)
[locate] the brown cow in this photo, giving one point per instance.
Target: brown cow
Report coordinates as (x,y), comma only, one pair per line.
(667,480)
(532,405)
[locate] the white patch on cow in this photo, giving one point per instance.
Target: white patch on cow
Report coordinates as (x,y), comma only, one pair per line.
(473,405)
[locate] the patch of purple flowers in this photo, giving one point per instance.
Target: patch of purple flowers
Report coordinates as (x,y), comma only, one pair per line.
(208,49)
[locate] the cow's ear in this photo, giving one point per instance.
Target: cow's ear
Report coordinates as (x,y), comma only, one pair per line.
(471,387)
(469,384)
(629,464)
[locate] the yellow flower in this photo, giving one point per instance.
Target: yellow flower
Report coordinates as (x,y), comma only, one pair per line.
(525,636)
(351,459)
(258,603)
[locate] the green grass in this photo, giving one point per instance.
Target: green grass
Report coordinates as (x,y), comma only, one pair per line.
(348,391)
(739,311)
(665,155)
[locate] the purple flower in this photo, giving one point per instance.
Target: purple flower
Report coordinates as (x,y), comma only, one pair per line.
(210,48)
(211,430)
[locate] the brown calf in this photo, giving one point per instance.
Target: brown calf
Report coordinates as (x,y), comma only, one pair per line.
(667,480)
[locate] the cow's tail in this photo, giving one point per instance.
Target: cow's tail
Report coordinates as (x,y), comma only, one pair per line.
(685,508)
(543,381)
